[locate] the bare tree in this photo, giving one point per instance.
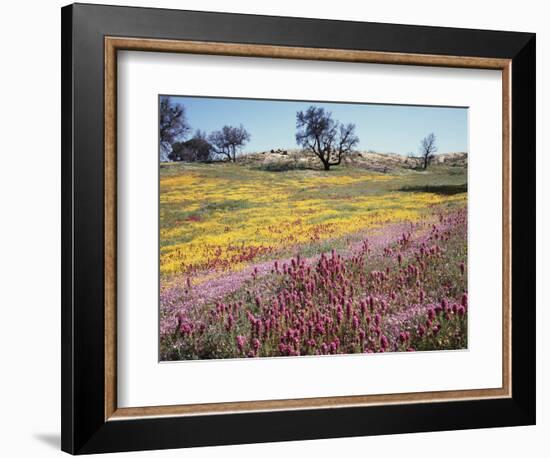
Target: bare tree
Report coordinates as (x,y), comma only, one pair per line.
(173,125)
(229,140)
(427,149)
(328,139)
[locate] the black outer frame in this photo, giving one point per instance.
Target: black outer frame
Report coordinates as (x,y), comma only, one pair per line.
(84,429)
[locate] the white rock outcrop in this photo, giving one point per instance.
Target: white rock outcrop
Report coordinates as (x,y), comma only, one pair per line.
(165,150)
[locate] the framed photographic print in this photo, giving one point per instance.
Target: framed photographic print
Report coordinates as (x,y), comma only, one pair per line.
(283,228)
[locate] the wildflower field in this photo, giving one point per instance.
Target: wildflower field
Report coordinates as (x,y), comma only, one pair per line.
(256,263)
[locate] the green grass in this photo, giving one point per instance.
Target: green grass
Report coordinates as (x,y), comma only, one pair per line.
(438,179)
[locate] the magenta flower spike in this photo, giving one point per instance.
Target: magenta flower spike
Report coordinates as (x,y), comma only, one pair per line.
(384,342)
(420,330)
(241,341)
(355,322)
(255,344)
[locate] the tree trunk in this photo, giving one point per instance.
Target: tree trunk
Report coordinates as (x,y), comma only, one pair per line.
(326,165)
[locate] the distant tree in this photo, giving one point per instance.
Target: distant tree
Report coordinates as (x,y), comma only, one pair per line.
(196,149)
(173,125)
(200,149)
(227,141)
(178,152)
(427,149)
(328,139)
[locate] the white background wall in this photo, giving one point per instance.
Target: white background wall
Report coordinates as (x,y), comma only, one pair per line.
(30,226)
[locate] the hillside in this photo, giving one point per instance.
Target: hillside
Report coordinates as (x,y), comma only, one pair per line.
(259,264)
(278,160)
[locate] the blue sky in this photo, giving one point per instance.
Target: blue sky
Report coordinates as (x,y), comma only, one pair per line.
(383,128)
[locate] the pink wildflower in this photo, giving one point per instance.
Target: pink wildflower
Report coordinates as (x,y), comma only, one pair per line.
(241,341)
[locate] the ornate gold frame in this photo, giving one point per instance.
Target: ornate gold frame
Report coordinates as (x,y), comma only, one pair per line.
(114,44)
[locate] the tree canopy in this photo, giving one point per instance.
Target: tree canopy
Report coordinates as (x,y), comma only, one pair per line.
(173,125)
(427,149)
(320,134)
(195,149)
(229,140)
